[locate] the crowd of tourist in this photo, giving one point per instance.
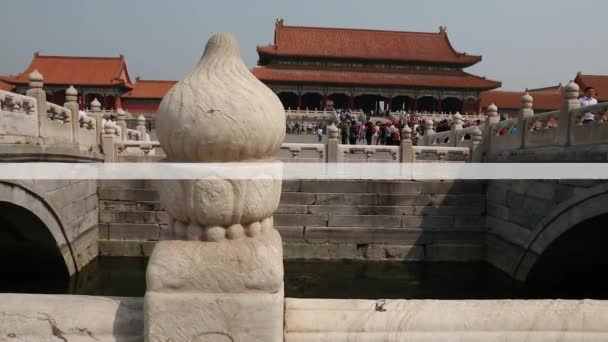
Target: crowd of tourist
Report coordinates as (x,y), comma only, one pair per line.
(388,133)
(355,130)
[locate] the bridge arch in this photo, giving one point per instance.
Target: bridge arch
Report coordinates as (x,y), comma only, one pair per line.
(30,228)
(583,210)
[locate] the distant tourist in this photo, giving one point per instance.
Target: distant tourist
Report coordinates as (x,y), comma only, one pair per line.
(588,100)
(353,133)
(396,137)
(344,132)
(369,131)
(320,133)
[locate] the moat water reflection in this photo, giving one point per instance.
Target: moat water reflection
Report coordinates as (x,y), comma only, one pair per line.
(122,276)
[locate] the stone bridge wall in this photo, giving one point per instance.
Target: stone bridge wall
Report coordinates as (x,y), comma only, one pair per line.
(357,220)
(67,208)
(525,216)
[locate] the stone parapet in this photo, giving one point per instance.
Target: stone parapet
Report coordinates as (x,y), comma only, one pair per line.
(434,320)
(41,318)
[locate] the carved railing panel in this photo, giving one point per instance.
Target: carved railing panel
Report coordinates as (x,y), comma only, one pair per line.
(510,140)
(441,154)
(464,136)
(18,115)
(58,125)
(370,153)
(440,139)
(17,103)
(302,153)
(138,151)
(591,133)
(542,130)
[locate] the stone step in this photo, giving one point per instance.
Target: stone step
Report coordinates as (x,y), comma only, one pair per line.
(365,235)
(138,217)
(463,211)
(129,206)
(345,209)
(394,236)
(386,187)
(300,220)
(305,198)
(127,184)
(131,231)
(126,248)
(331,251)
(144,195)
(438,223)
(361,209)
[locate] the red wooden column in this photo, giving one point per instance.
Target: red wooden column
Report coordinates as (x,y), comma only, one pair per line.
(479,109)
(106,102)
(117,102)
(439,105)
(299,101)
(462,106)
(389,102)
(351,102)
(415,104)
(324,102)
(82,99)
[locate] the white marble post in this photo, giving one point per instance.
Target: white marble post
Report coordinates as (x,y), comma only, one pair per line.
(141,127)
(107,142)
(333,145)
(527,102)
(121,121)
(456,126)
(225,283)
(477,146)
(95,112)
(491,119)
(71,103)
(35,85)
(567,121)
(428,131)
(406,149)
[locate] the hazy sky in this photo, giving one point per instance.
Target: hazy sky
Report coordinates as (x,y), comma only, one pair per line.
(531,43)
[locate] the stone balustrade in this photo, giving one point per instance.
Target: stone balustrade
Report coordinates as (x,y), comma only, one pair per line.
(561,128)
(60,125)
(333,152)
(31,120)
(17,103)
(18,116)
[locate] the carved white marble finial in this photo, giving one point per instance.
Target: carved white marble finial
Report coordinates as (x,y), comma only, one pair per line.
(95,105)
(492,110)
(36,80)
(526,101)
(220,112)
(71,91)
(572,90)
(457,119)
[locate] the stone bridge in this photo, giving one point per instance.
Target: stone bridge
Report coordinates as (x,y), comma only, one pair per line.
(511,224)
(229,272)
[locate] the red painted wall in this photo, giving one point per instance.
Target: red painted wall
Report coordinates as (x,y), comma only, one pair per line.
(140,106)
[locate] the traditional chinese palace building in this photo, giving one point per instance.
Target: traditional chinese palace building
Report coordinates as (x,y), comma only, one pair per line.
(313,67)
(146,95)
(104,78)
(599,82)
